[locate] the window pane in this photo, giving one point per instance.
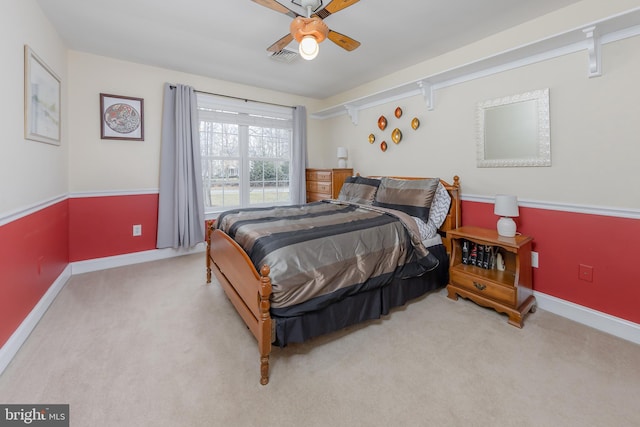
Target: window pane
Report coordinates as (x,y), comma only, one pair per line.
(219,139)
(269,181)
(221,183)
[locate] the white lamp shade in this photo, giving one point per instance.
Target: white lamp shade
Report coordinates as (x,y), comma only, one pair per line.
(506,205)
(309,47)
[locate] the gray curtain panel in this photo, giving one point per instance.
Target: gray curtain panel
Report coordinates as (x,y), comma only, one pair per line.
(299,156)
(181,206)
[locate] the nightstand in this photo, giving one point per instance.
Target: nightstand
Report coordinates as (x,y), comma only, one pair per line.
(508,290)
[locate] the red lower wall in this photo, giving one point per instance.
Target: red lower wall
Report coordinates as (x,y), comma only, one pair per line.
(564,241)
(102,226)
(35,250)
(33,253)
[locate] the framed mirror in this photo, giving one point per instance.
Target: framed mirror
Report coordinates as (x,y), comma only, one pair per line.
(514,131)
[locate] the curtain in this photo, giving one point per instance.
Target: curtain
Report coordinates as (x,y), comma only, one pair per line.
(180,206)
(299,156)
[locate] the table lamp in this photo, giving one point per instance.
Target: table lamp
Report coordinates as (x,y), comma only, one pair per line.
(506,207)
(342,157)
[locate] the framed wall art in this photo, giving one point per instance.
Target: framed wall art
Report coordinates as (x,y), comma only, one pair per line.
(121,117)
(42,102)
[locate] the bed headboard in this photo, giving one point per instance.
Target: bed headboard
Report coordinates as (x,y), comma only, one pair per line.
(453,218)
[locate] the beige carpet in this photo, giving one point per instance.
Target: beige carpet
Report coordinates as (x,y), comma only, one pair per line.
(152,345)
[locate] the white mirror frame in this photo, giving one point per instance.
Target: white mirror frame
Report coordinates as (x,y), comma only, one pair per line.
(543,137)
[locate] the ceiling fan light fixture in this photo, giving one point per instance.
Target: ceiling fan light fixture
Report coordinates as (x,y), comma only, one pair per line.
(309,48)
(309,32)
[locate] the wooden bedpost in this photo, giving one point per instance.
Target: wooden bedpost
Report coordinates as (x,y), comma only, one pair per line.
(264,339)
(209,228)
(456,214)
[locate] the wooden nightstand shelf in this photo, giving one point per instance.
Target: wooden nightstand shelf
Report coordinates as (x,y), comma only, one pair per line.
(509,291)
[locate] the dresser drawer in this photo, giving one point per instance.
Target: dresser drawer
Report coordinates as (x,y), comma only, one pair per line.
(314,197)
(323,176)
(484,287)
(319,176)
(324,187)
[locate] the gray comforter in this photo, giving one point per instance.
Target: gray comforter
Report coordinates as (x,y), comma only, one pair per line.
(324,251)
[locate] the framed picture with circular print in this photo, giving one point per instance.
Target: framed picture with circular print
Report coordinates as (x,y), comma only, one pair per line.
(121,117)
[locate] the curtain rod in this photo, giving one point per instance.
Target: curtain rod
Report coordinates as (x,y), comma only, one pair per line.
(237,97)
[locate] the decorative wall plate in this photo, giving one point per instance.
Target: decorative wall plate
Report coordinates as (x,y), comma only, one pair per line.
(383,146)
(398,112)
(396,136)
(372,138)
(382,122)
(415,123)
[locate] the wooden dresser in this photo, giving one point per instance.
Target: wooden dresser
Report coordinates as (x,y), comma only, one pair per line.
(325,183)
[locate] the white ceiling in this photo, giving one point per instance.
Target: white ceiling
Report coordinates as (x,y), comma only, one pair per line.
(227,40)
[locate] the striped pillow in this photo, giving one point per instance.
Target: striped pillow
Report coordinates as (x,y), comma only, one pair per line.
(357,189)
(413,196)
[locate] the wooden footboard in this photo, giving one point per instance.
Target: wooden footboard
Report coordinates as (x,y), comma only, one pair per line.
(248,291)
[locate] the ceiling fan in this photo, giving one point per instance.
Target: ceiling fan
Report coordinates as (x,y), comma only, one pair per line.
(310,30)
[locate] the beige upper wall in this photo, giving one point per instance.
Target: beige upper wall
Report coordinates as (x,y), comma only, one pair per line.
(114,165)
(595,128)
(594,122)
(30,171)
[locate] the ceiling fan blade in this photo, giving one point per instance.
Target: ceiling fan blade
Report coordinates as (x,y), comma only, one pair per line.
(274,5)
(343,41)
(337,5)
(281,44)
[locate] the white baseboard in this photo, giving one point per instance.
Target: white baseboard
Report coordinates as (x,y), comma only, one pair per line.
(13,344)
(97,264)
(621,328)
(15,341)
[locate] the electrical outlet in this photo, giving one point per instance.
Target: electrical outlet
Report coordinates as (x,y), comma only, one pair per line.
(585,272)
(137,230)
(534,259)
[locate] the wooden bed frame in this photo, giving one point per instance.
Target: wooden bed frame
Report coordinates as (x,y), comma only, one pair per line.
(250,291)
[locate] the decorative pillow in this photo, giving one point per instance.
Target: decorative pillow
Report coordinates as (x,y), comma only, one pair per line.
(412,196)
(357,189)
(438,211)
(422,227)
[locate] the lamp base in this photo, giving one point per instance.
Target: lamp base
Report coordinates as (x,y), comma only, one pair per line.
(342,163)
(506,227)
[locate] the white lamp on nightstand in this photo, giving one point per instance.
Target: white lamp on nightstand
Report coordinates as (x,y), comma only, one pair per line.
(506,206)
(342,157)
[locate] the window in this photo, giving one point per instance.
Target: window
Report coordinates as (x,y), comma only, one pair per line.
(246,152)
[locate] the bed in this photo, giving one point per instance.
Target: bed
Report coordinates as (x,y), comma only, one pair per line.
(297,272)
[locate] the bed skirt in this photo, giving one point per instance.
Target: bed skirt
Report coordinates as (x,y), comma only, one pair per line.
(361,307)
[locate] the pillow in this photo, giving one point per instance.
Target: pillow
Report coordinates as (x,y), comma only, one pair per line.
(438,211)
(425,232)
(412,196)
(357,189)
